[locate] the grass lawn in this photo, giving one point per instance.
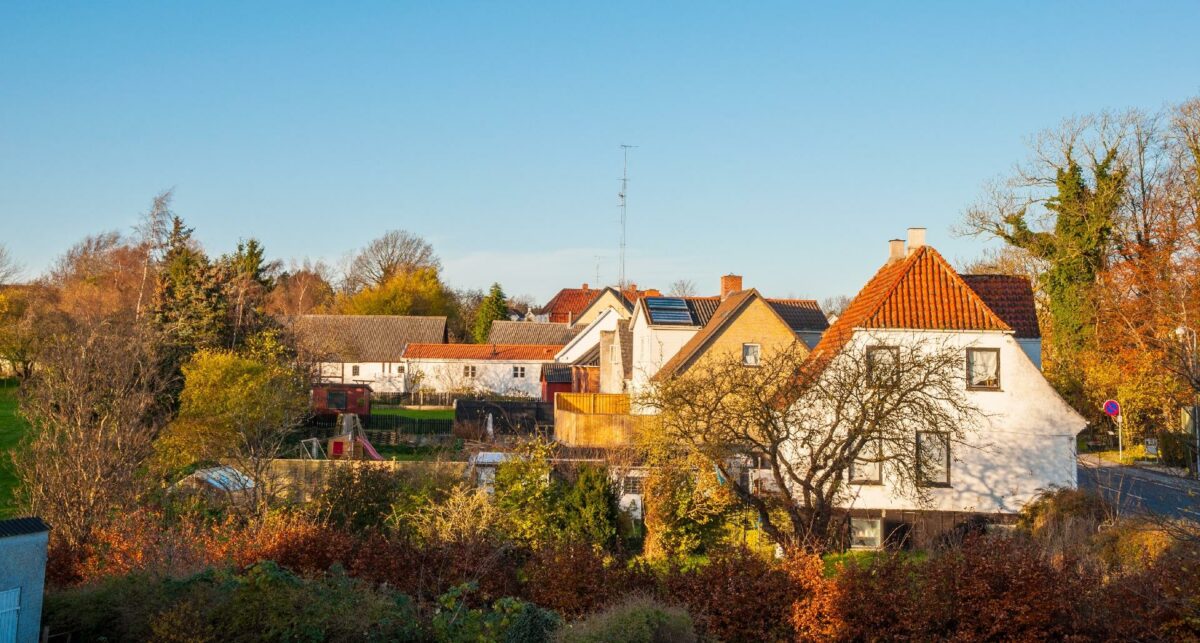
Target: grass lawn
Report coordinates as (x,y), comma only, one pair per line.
(418,414)
(12,427)
(861,556)
(414,453)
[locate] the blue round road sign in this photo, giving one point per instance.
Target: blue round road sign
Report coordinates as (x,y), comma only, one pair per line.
(1112,408)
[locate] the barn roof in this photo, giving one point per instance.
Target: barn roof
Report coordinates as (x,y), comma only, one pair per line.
(365,338)
(524,332)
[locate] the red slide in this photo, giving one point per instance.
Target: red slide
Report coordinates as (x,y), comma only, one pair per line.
(368,448)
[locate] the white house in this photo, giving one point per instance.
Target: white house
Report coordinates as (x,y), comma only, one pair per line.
(364,349)
(501,369)
(1026,439)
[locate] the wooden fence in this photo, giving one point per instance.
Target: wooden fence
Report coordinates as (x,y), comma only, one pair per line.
(592,403)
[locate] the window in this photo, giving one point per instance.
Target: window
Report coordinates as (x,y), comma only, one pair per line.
(933,459)
(518,372)
(614,354)
(631,485)
(400,369)
(469,371)
(354,370)
(866,533)
(983,368)
(751,354)
(336,400)
(867,468)
(882,365)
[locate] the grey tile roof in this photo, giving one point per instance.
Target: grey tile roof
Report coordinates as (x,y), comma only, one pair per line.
(625,338)
(523,332)
(22,526)
(365,338)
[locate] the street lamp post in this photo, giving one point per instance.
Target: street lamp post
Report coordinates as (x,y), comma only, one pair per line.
(1188,334)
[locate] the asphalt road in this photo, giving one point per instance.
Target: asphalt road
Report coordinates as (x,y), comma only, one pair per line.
(1140,491)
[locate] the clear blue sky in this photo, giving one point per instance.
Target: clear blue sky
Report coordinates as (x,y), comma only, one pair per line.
(780,141)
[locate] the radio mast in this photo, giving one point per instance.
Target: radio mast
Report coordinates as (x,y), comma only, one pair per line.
(623,196)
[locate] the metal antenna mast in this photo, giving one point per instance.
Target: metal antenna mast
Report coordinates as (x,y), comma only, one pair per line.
(623,194)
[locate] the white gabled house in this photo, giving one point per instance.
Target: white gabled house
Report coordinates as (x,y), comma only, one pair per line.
(499,369)
(364,349)
(1026,441)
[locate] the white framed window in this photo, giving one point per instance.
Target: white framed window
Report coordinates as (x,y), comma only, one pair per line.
(867,468)
(469,371)
(866,533)
(614,354)
(354,370)
(883,366)
(933,459)
(631,485)
(751,354)
(983,369)
(518,372)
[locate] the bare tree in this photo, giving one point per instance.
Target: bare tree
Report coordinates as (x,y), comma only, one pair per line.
(835,305)
(682,288)
(302,289)
(801,426)
(395,252)
(8,266)
(95,403)
(153,232)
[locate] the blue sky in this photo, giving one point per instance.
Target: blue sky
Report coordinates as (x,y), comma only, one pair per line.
(786,142)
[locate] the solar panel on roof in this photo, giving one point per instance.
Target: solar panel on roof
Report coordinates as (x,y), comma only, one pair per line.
(668,310)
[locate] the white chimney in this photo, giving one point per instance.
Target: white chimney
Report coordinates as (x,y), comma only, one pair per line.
(895,250)
(916,239)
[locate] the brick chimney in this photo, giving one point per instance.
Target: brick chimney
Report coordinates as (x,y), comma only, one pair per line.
(895,250)
(729,285)
(585,286)
(916,239)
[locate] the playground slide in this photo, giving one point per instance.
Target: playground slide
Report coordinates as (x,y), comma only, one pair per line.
(374,455)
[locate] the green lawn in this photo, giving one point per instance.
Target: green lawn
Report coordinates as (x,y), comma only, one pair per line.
(418,414)
(12,427)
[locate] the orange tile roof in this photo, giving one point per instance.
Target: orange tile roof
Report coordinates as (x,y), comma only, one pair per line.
(570,303)
(920,291)
(499,352)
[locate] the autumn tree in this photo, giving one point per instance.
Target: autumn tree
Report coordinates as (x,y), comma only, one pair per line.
(29,322)
(416,292)
(803,425)
(300,290)
(95,403)
(1062,209)
(98,278)
(493,307)
(394,253)
(234,409)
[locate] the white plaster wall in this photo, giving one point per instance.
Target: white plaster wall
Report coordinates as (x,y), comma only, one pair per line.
(652,347)
(588,338)
(491,375)
(1025,443)
(383,377)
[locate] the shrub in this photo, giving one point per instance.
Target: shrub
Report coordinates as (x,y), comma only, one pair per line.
(635,620)
(589,510)
(357,496)
(738,595)
(572,579)
(507,620)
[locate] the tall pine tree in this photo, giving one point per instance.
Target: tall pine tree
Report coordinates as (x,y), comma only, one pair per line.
(190,307)
(492,308)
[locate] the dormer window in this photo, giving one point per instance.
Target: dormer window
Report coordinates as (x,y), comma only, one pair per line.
(751,355)
(983,369)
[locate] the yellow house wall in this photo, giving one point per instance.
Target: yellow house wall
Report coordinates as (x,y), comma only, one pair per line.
(607,300)
(754,324)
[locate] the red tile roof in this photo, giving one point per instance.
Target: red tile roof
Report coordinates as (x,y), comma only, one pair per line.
(1010,297)
(920,291)
(499,352)
(570,303)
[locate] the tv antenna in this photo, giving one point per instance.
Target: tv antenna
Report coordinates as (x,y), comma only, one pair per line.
(623,196)
(598,258)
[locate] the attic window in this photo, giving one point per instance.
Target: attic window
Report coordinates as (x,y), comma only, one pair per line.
(883,366)
(751,355)
(983,368)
